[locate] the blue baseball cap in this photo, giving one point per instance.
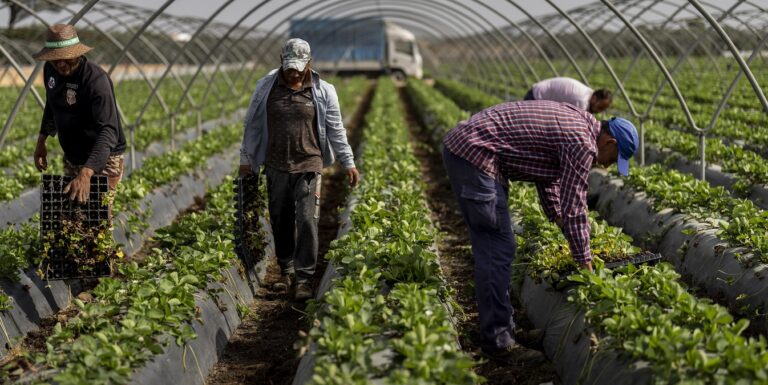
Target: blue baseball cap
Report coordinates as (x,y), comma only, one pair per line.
(625,134)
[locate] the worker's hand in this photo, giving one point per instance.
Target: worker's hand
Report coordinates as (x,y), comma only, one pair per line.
(559,222)
(245,169)
(587,266)
(41,154)
(354,177)
(80,187)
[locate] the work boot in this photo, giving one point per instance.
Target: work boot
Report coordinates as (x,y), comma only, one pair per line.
(284,284)
(515,354)
(303,291)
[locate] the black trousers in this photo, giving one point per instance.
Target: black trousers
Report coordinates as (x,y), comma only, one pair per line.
(294,210)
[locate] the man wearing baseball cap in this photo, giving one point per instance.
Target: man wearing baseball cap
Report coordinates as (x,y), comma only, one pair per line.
(552,144)
(294,128)
(80,107)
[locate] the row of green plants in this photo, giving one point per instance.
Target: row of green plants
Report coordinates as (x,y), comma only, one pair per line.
(468,98)
(435,109)
(644,312)
(387,316)
(148,306)
(750,168)
(738,221)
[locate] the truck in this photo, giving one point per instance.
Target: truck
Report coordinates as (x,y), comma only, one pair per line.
(359,46)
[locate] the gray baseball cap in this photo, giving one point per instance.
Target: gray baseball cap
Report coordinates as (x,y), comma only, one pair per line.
(295,54)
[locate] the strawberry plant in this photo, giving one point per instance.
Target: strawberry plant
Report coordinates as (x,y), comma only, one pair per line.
(435,110)
(468,98)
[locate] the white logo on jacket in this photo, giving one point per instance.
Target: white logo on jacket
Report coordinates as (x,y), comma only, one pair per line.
(71,94)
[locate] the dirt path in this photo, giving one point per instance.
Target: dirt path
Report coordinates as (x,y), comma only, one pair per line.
(261,351)
(456,262)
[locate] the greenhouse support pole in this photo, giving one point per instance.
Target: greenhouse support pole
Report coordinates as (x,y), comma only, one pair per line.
(132,135)
(702,155)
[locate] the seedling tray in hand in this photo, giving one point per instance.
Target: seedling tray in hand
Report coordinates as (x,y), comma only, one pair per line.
(76,239)
(642,258)
(247,228)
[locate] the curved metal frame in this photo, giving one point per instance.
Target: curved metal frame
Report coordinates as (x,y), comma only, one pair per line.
(474,39)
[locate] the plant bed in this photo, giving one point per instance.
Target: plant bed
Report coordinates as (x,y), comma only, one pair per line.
(732,274)
(33,299)
(714,174)
(641,325)
(152,309)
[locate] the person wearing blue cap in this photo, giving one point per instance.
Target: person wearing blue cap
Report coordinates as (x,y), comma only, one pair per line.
(294,128)
(552,144)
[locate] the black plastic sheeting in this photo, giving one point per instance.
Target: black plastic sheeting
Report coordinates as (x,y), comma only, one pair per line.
(34,299)
(714,173)
(190,364)
(730,274)
(23,208)
(567,341)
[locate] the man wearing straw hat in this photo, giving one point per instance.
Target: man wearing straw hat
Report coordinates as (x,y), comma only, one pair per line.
(80,107)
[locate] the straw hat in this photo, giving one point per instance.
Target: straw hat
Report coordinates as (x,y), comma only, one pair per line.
(61,43)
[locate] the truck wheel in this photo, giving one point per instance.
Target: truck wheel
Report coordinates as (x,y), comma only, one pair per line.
(398,76)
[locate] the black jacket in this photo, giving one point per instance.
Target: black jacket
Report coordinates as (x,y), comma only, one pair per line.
(82,110)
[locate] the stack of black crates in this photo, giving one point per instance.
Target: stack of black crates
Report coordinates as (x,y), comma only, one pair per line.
(56,207)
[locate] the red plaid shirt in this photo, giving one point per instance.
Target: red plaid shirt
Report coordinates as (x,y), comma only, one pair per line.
(552,144)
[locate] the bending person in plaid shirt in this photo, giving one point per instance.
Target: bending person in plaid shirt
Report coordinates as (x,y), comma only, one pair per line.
(549,143)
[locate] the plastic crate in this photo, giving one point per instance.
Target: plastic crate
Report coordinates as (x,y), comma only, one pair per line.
(55,209)
(246,217)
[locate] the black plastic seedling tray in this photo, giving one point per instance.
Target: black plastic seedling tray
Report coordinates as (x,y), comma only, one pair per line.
(246,219)
(55,208)
(642,258)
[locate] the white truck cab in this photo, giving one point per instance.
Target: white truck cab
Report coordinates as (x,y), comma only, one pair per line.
(402,51)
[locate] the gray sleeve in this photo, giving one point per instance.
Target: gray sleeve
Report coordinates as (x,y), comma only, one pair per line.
(335,131)
(249,129)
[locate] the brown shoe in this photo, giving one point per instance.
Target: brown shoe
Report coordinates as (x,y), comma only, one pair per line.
(303,291)
(284,284)
(515,354)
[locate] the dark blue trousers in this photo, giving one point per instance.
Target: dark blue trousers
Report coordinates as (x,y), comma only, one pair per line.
(483,203)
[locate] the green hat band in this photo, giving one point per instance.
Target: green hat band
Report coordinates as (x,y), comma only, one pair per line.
(63,43)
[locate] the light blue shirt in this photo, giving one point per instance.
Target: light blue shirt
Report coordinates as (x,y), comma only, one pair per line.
(330,127)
